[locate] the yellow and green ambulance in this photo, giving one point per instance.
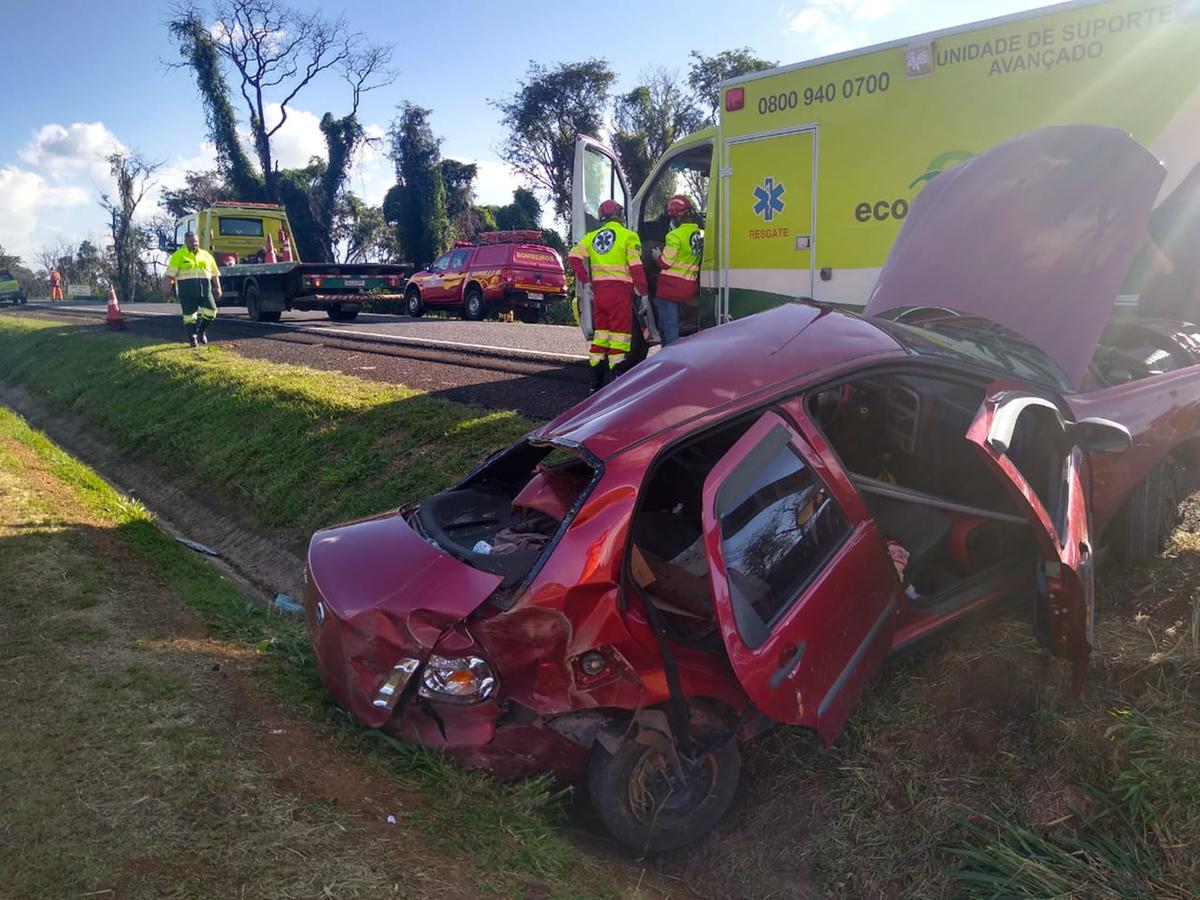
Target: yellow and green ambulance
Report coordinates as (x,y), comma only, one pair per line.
(811,169)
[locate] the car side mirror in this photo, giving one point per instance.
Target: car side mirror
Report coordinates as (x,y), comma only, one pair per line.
(1100,436)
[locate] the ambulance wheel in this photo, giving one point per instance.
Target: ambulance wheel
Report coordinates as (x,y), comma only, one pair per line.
(413,303)
(648,807)
(474,307)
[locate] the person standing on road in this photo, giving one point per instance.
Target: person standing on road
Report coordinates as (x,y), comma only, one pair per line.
(192,275)
(610,259)
(679,264)
(55,284)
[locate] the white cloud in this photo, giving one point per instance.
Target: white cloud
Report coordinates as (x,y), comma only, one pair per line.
(835,25)
(494,183)
(298,141)
(63,151)
(26,198)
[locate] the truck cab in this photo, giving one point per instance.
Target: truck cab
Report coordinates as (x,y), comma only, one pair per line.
(237,232)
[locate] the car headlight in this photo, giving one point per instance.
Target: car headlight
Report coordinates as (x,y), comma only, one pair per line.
(466,679)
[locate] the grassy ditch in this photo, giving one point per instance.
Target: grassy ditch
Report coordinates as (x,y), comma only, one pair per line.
(296,448)
(143,751)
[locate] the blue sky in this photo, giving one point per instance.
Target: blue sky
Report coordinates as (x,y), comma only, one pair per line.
(81,78)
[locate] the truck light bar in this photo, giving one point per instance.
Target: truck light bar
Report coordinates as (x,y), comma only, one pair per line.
(236,203)
(523,236)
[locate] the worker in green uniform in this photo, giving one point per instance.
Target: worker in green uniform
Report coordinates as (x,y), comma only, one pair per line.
(192,276)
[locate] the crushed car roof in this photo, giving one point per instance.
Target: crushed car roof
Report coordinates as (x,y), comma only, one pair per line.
(694,376)
(1036,234)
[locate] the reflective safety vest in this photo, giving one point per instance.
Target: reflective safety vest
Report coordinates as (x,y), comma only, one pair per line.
(613,256)
(679,279)
(192,272)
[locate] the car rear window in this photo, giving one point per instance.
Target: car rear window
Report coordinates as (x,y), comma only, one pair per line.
(492,256)
(231,226)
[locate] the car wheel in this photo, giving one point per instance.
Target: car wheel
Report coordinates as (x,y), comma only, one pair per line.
(414,304)
(474,307)
(1140,530)
(530,315)
(647,807)
(339,313)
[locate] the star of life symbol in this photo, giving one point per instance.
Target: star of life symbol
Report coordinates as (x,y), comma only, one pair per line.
(696,241)
(604,240)
(767,199)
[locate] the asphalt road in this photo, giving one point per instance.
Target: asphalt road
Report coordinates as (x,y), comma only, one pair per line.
(563,342)
(537,383)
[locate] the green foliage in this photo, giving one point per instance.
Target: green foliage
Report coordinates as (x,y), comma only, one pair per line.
(543,118)
(199,51)
(458,178)
(649,119)
(416,206)
(324,447)
(297,187)
(132,175)
(362,232)
(200,191)
(706,73)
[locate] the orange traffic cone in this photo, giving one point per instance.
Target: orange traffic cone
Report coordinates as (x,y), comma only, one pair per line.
(285,247)
(115,320)
(269,252)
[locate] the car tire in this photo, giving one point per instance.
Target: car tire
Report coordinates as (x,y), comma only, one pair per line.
(617,780)
(474,306)
(530,315)
(1141,528)
(413,303)
(338,313)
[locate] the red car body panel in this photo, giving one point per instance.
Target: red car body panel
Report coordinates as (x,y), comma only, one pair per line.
(391,595)
(1036,235)
(387,593)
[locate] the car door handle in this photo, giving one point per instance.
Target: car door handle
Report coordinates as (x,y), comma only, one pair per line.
(787,667)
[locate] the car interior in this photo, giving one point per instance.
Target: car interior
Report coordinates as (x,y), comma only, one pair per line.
(954,533)
(504,517)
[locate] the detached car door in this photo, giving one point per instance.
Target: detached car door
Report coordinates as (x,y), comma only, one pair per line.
(1027,442)
(804,591)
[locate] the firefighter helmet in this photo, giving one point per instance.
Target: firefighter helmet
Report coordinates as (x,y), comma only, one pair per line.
(611,209)
(679,205)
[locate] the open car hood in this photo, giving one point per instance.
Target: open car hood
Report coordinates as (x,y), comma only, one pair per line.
(1036,235)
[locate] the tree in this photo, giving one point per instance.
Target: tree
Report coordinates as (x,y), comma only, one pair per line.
(362,233)
(707,72)
(200,190)
(416,206)
(275,52)
(649,119)
(523,213)
(458,179)
(134,177)
(543,118)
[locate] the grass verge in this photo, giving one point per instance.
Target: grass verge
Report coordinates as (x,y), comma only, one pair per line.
(116,763)
(295,447)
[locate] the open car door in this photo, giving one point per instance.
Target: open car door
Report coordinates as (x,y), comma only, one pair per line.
(1035,452)
(805,595)
(596,177)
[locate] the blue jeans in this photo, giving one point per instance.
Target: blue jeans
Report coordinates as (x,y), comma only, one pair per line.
(667,313)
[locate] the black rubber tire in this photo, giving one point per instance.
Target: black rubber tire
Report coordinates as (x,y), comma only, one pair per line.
(254,310)
(1141,528)
(609,786)
(474,306)
(530,315)
(413,304)
(337,313)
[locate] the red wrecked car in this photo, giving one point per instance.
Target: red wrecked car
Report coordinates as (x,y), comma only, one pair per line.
(743,529)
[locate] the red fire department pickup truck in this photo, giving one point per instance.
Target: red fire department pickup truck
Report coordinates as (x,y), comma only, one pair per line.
(503,270)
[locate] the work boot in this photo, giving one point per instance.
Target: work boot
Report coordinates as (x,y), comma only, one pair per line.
(193,335)
(599,371)
(200,331)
